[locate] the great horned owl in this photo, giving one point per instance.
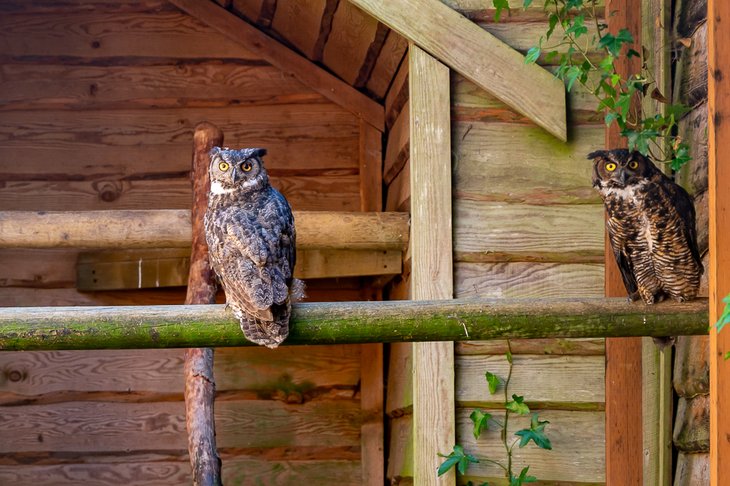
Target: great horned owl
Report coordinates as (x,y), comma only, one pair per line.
(250,232)
(651,226)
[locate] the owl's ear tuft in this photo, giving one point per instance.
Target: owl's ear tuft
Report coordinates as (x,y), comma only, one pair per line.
(598,154)
(259,152)
(214,151)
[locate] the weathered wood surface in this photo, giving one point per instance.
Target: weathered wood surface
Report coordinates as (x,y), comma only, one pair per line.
(399,191)
(165,472)
(400,462)
(577,455)
(397,94)
(718,57)
(692,424)
(691,78)
(352,322)
(691,366)
(160,426)
(286,60)
(692,469)
(431,260)
(559,347)
(171,229)
(554,382)
(397,149)
(371,168)
(462,45)
(689,14)
(299,23)
(391,56)
(693,129)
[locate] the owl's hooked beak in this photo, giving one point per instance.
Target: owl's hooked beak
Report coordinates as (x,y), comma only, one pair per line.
(621,177)
(237,174)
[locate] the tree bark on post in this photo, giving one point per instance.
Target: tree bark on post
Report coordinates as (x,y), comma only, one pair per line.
(199,380)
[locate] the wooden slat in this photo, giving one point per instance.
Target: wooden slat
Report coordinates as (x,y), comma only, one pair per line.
(554,173)
(107,427)
(171,229)
(719,267)
(371,168)
(298,21)
(521,279)
(236,470)
(372,401)
(286,60)
(486,231)
(400,462)
(584,373)
(479,56)
(387,64)
(576,458)
(397,95)
(397,150)
(431,257)
(573,347)
(691,77)
(102,35)
(66,6)
(624,438)
(251,9)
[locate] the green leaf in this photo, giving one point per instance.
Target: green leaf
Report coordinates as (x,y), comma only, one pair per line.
(571,75)
(606,64)
(553,20)
(681,157)
(535,433)
(493,381)
(577,28)
(481,422)
(457,457)
(526,3)
(500,5)
(613,43)
(522,478)
(725,316)
(517,405)
(532,55)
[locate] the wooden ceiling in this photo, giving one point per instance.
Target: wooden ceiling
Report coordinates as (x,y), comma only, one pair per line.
(333,34)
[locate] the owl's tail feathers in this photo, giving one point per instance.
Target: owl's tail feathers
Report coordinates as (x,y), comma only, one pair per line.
(297,290)
(265,333)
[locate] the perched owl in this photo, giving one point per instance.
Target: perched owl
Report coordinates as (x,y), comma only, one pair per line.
(651,226)
(249,228)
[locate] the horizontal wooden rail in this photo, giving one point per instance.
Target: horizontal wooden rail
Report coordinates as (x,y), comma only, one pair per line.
(24,328)
(170,228)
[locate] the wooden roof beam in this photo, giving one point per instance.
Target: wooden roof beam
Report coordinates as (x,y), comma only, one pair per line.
(283,58)
(185,326)
(479,56)
(171,228)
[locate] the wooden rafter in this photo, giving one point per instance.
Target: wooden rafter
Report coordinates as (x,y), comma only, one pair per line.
(285,59)
(479,56)
(129,327)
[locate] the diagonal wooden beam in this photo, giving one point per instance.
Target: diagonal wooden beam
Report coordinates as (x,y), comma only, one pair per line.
(285,59)
(479,56)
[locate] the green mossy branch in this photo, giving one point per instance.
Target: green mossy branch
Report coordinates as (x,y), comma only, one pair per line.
(25,328)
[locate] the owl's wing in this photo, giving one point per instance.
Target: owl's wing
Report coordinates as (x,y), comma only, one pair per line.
(686,211)
(622,260)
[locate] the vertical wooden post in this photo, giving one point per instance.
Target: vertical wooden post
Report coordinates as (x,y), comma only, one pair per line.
(656,363)
(718,58)
(371,355)
(199,381)
(431,260)
(624,438)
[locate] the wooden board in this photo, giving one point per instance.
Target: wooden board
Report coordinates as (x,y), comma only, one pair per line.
(691,78)
(397,149)
(555,382)
(100,426)
(573,347)
(397,95)
(299,23)
(551,172)
(719,215)
(515,231)
(391,56)
(399,191)
(164,472)
(462,46)
(94,35)
(520,279)
(431,259)
(577,455)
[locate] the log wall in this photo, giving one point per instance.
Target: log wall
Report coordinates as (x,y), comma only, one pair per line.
(98,101)
(527,223)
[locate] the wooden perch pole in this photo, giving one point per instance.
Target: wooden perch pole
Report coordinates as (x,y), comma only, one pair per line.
(199,380)
(36,328)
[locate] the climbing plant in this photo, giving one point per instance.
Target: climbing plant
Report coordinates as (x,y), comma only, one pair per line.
(577,41)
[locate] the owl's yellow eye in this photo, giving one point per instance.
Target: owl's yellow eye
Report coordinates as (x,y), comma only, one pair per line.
(246,166)
(610,167)
(224,166)
(633,164)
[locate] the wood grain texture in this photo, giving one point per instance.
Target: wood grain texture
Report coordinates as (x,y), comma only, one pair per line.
(171,229)
(516,230)
(286,60)
(559,347)
(397,151)
(692,469)
(371,168)
(299,23)
(372,402)
(116,427)
(556,173)
(540,379)
(397,94)
(691,77)
(400,462)
(399,191)
(461,45)
(164,472)
(391,56)
(520,280)
(718,56)
(431,259)
(577,439)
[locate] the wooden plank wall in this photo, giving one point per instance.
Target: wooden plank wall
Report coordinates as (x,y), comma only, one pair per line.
(98,101)
(527,223)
